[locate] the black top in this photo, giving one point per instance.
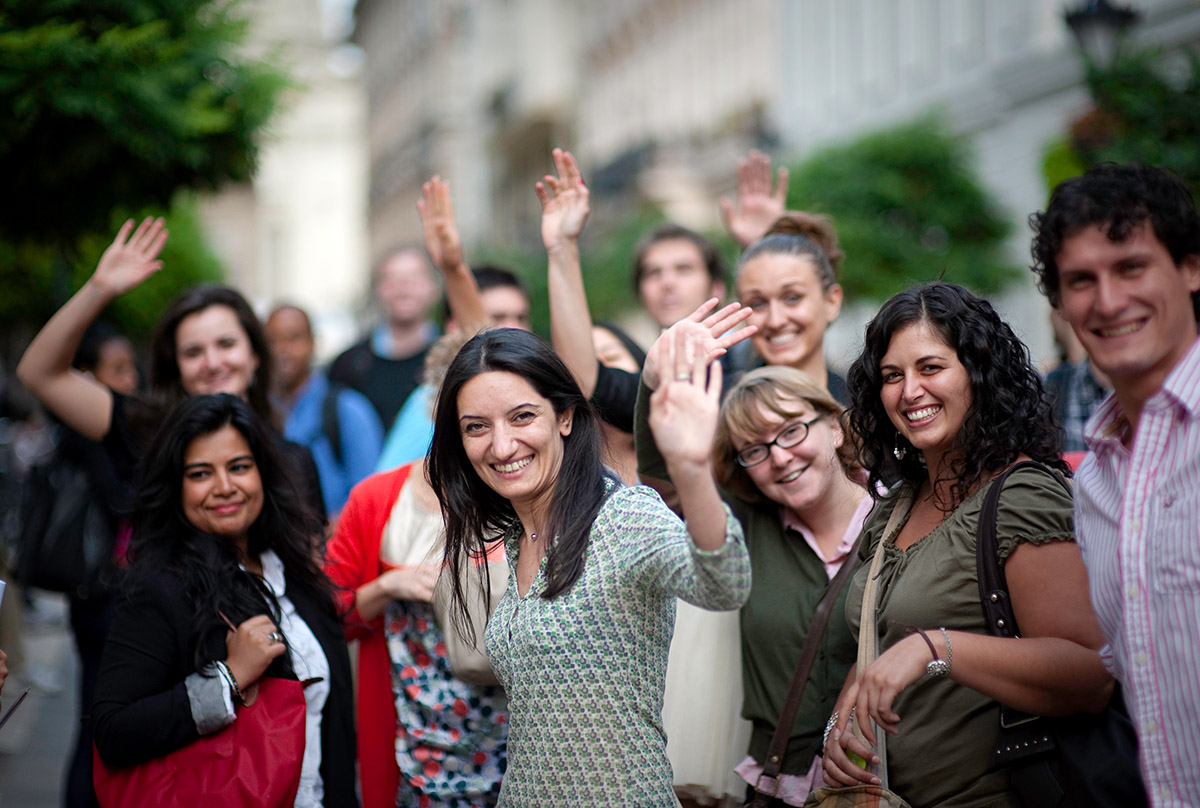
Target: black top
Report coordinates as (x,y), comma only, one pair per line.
(141,708)
(387,383)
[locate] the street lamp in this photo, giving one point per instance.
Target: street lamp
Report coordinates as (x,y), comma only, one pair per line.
(1098,26)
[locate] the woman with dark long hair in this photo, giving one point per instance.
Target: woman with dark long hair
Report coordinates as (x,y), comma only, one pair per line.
(221,533)
(944,387)
(208,340)
(579,639)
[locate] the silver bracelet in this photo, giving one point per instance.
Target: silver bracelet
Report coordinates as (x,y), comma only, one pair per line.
(949,652)
(230,680)
(829,725)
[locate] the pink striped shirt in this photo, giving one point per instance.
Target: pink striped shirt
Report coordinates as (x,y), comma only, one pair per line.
(1138,525)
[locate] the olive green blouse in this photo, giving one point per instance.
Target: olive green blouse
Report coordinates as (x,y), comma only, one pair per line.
(942,754)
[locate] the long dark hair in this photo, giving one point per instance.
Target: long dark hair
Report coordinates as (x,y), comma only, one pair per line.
(165,385)
(1009,415)
(475,514)
(207,565)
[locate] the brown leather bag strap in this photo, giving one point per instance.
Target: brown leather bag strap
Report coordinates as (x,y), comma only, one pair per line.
(808,655)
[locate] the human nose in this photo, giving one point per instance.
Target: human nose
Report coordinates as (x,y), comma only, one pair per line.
(222,483)
(912,388)
(775,314)
(778,455)
(1109,298)
(503,442)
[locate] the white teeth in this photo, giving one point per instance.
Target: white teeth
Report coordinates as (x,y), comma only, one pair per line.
(924,412)
(508,467)
(789,478)
(1123,330)
(781,339)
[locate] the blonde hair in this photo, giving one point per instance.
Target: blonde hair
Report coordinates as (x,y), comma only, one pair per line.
(777,389)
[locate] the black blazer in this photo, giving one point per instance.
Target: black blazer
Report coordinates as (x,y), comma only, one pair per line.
(141,709)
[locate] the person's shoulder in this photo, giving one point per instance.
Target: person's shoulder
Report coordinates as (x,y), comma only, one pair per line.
(384,485)
(353,404)
(351,361)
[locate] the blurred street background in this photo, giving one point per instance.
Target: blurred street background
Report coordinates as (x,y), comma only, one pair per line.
(294,154)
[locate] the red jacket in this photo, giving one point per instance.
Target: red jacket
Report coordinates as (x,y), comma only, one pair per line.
(352,559)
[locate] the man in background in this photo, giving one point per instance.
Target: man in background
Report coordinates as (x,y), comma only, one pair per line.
(338,425)
(386,366)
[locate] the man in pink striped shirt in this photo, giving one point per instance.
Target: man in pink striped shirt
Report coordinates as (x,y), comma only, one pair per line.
(1118,253)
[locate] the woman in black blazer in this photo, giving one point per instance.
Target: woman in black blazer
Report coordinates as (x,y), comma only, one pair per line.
(221,538)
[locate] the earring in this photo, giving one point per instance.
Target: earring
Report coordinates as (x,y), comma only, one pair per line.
(899,451)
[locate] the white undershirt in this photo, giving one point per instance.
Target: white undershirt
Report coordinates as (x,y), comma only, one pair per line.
(309,662)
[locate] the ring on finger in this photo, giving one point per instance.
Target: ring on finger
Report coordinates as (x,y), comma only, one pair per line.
(683,377)
(275,636)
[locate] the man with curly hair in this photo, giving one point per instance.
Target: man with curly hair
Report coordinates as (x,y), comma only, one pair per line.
(1117,252)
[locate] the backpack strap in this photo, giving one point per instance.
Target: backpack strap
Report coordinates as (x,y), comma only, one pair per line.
(330,423)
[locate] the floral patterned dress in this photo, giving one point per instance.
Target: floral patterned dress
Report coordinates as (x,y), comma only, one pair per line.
(451,736)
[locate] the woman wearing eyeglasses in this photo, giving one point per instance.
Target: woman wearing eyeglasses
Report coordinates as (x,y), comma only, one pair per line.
(785,470)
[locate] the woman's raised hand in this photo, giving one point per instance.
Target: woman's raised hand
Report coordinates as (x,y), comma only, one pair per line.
(251,648)
(129,260)
(565,204)
(685,407)
(713,337)
(437,221)
(758,207)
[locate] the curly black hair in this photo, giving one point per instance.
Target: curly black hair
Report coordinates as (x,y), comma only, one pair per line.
(1117,197)
(1010,412)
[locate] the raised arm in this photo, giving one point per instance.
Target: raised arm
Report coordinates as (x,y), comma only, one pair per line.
(758,206)
(708,335)
(565,208)
(445,248)
(80,401)
(683,420)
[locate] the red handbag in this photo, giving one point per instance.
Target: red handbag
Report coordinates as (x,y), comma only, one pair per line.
(255,761)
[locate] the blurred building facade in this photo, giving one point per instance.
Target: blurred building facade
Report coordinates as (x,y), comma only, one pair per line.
(658,98)
(298,232)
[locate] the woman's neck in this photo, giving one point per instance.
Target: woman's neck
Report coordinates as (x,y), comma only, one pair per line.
(815,367)
(828,521)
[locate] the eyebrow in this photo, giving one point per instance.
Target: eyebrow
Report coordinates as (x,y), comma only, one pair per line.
(937,357)
(206,464)
(527,405)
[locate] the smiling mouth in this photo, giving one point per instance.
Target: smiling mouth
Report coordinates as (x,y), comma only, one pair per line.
(790,478)
(226,510)
(508,468)
(923,413)
(1122,330)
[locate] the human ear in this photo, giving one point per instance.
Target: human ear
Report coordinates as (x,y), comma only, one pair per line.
(565,420)
(833,302)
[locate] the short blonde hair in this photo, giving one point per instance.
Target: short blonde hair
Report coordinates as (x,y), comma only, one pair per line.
(777,389)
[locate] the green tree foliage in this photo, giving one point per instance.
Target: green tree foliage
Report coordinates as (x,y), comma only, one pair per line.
(119,103)
(908,208)
(1147,110)
(111,108)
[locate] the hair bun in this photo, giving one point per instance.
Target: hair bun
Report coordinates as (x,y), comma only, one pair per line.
(816,227)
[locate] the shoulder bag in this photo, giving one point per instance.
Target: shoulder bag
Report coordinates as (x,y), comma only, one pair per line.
(808,656)
(255,761)
(866,795)
(1070,762)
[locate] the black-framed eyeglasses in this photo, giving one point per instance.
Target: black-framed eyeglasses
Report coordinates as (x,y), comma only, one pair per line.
(792,435)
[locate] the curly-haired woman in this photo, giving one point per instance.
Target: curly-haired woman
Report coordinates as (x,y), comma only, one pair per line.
(944,386)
